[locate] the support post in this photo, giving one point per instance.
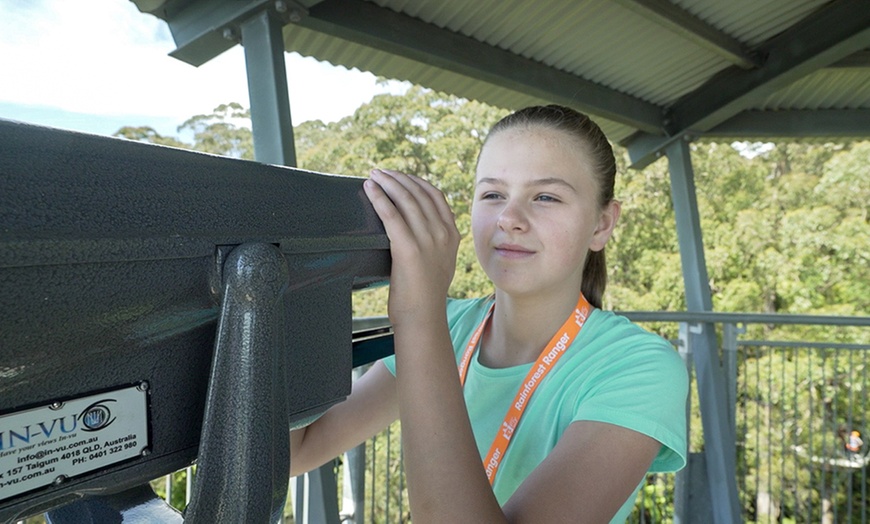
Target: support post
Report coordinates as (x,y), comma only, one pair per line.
(322,503)
(315,500)
(272,128)
(263,42)
(267,89)
(719,442)
(244,450)
(354,484)
(354,481)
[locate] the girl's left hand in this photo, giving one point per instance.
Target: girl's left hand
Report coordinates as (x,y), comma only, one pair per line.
(423,242)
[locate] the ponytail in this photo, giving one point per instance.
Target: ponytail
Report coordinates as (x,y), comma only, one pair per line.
(594,278)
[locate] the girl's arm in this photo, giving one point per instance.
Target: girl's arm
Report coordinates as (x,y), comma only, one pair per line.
(446,482)
(589,474)
(587,477)
(370,408)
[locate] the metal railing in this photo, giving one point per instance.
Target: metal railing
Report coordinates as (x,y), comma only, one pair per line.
(793,463)
(794,383)
(797,388)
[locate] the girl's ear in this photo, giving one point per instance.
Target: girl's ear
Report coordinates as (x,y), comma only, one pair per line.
(606,222)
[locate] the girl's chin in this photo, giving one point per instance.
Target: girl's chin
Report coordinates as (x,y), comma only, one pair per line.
(516,285)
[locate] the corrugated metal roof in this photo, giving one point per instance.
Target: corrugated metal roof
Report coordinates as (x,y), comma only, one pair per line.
(594,39)
(751,21)
(646,69)
(828,89)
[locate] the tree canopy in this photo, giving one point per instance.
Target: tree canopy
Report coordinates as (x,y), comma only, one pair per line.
(785,228)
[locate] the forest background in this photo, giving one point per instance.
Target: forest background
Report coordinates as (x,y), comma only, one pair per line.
(785,225)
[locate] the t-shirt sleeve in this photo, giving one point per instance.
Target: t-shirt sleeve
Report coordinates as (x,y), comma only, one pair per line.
(390,363)
(645,392)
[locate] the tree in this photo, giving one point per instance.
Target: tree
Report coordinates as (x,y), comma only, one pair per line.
(149,135)
(226,132)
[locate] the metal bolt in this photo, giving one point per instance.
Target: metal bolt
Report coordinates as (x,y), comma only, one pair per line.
(55,405)
(145,452)
(295,15)
(60,479)
(229,33)
(281,6)
(143,386)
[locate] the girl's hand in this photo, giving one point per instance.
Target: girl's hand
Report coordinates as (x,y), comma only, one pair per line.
(423,243)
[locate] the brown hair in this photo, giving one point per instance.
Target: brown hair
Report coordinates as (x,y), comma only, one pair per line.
(601,161)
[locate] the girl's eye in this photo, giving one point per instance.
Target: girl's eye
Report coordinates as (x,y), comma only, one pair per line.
(490,196)
(546,198)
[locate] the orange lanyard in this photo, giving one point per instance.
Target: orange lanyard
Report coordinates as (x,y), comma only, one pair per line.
(548,358)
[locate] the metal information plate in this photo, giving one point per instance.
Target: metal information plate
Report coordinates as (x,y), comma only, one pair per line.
(49,444)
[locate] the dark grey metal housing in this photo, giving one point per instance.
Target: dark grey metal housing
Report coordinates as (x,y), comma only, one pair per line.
(197,276)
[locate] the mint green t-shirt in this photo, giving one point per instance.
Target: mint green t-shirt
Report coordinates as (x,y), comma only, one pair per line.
(614,372)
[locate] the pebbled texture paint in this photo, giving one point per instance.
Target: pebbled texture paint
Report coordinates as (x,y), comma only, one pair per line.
(113,258)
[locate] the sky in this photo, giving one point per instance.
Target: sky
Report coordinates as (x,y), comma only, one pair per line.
(98,69)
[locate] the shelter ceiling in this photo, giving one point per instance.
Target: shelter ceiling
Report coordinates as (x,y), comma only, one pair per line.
(650,71)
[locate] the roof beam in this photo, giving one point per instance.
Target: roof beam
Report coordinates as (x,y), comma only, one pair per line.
(858,60)
(691,28)
(202,30)
(833,123)
(367,24)
(836,31)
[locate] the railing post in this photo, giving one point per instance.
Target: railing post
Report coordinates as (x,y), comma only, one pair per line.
(719,447)
(682,479)
(354,482)
(322,504)
(730,333)
(315,497)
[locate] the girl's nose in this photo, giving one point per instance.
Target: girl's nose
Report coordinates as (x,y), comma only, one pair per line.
(512,218)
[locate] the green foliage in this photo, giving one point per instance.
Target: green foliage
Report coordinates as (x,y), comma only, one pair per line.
(787,230)
(177,483)
(385,479)
(226,132)
(654,501)
(221,132)
(150,136)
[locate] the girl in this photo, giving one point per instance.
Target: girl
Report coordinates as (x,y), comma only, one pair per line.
(559,409)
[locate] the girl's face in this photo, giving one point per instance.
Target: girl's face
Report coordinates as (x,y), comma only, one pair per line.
(535,213)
